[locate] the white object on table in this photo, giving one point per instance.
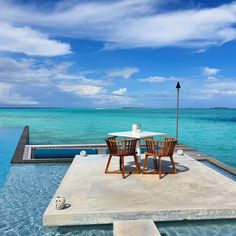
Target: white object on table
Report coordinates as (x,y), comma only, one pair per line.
(83,153)
(138,135)
(136,128)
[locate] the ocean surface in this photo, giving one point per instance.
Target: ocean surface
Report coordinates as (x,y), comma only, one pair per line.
(212,131)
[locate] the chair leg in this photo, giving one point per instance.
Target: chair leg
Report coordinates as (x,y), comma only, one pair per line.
(120,164)
(108,163)
(123,167)
(173,164)
(159,167)
(137,165)
(144,164)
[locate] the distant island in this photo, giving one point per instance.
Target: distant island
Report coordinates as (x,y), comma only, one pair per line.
(134,107)
(220,108)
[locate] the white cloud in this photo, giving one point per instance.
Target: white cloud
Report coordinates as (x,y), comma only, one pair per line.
(222,88)
(120,91)
(10,96)
(41,73)
(115,100)
(153,79)
(210,71)
(33,72)
(198,28)
(157,79)
(66,12)
(31,42)
(130,24)
(98,95)
(51,77)
(216,88)
(126,72)
(84,80)
(82,90)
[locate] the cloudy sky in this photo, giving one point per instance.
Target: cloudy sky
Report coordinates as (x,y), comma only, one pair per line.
(117,53)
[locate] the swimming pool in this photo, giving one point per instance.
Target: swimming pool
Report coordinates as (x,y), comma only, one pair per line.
(42,153)
(27,189)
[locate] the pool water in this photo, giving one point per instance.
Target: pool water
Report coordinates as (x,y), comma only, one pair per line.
(27,189)
(198,228)
(41,153)
(9,138)
(25,196)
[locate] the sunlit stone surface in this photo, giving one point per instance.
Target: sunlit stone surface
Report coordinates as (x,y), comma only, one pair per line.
(196,192)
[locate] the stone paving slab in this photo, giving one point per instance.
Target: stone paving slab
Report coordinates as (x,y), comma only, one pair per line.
(135,228)
(196,192)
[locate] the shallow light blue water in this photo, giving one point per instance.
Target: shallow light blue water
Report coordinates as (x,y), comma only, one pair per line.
(27,189)
(212,131)
(9,138)
(25,196)
(25,192)
(198,228)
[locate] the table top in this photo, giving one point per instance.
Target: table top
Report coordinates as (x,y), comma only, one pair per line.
(139,135)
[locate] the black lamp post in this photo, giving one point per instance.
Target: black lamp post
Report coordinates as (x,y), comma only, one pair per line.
(177,110)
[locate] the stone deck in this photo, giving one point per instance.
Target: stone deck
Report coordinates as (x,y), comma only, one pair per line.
(135,228)
(196,192)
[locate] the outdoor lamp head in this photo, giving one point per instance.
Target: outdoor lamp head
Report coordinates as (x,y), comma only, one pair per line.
(178,85)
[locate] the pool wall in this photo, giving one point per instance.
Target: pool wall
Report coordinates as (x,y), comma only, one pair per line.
(20,148)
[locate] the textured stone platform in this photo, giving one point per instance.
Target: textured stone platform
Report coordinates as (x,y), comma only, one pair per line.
(135,228)
(196,192)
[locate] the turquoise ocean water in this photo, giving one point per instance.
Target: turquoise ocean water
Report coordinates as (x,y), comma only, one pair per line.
(212,131)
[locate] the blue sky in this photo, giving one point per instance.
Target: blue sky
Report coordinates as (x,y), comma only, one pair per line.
(117,53)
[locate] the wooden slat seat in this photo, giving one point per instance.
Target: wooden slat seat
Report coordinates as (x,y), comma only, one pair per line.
(121,148)
(159,149)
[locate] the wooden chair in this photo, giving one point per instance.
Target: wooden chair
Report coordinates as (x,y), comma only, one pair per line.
(121,148)
(159,149)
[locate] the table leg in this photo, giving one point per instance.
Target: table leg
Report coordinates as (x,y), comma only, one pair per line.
(138,150)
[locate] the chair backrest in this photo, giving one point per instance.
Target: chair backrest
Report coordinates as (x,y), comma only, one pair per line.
(161,147)
(169,146)
(121,147)
(112,147)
